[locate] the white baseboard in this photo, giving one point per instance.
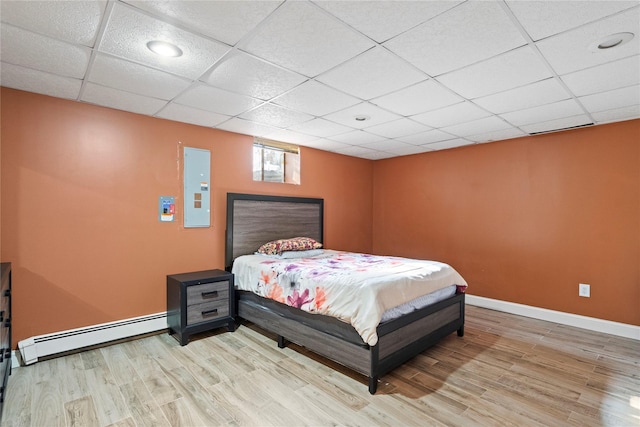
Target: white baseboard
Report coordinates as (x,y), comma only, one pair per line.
(40,346)
(584,322)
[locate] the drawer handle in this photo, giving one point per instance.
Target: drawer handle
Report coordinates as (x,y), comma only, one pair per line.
(211,294)
(210,312)
(7,293)
(1,316)
(7,323)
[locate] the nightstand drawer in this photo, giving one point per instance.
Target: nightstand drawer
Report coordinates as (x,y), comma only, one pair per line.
(208,292)
(207,311)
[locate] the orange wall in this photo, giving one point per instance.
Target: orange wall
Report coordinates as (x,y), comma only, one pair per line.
(525,220)
(79,193)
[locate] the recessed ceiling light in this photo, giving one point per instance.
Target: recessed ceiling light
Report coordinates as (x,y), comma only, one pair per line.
(611,41)
(362,118)
(164,48)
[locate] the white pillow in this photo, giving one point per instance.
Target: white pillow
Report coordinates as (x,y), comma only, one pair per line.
(295,254)
(301,254)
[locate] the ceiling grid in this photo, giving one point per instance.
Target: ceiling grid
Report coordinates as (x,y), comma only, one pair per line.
(372,79)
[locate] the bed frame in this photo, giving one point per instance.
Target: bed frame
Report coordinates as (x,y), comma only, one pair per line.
(256,219)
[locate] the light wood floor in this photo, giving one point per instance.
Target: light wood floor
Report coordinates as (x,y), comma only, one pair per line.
(506,370)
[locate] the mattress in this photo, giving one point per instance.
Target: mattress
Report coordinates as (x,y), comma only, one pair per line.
(418,303)
(358,289)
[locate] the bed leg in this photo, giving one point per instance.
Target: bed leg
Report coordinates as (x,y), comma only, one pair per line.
(231,326)
(373,369)
(373,385)
(281,342)
(461,331)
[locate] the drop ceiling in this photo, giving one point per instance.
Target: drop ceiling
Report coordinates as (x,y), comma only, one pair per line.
(424,75)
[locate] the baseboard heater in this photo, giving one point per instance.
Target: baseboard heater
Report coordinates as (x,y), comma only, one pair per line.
(44,346)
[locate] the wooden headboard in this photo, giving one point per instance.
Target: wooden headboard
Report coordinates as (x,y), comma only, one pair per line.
(253,220)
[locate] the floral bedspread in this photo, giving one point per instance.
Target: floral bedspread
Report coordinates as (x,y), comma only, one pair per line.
(355,288)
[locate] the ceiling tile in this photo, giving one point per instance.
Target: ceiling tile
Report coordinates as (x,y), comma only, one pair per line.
(120,100)
(486,124)
(507,71)
(618,114)
(273,115)
(321,128)
(395,148)
(397,128)
(375,116)
(618,98)
(573,50)
(227,21)
(471,32)
(421,97)
(544,18)
(216,100)
(497,135)
(30,80)
(374,73)
(251,76)
(71,21)
(377,155)
(566,108)
(131,77)
(325,144)
(359,151)
(315,98)
(128,32)
(247,127)
(557,124)
(427,137)
(390,146)
(31,50)
(452,143)
(408,149)
(182,113)
(286,135)
(383,20)
(532,95)
(286,36)
(451,115)
(625,72)
(357,137)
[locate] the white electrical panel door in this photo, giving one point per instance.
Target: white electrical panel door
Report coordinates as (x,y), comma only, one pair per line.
(197,189)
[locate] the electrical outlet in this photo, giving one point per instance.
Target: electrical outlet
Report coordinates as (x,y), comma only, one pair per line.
(584,290)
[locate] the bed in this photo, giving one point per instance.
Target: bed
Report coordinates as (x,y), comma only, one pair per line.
(253,220)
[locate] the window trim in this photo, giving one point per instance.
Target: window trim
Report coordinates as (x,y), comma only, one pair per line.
(284,147)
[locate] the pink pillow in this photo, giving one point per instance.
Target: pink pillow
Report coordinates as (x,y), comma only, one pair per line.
(276,247)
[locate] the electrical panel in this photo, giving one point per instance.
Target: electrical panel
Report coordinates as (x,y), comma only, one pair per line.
(197,200)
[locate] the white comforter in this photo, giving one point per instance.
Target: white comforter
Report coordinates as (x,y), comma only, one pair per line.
(355,288)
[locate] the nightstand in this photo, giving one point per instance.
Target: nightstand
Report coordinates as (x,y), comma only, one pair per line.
(199,301)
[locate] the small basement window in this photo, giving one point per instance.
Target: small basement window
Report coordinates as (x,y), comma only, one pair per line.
(275,161)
